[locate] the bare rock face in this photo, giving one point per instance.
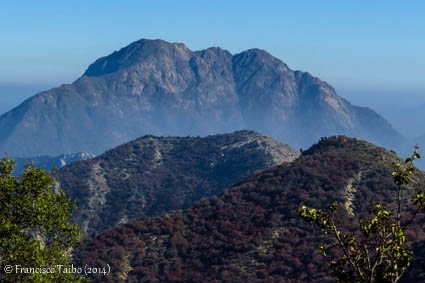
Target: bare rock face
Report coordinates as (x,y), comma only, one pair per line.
(161,88)
(154,175)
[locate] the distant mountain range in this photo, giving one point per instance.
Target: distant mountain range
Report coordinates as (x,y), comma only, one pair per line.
(161,88)
(49,162)
(251,232)
(154,175)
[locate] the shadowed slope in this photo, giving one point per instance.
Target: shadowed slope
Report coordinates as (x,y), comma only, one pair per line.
(251,232)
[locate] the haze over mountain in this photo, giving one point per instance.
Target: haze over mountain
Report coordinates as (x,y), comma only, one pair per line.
(154,175)
(161,88)
(252,232)
(48,162)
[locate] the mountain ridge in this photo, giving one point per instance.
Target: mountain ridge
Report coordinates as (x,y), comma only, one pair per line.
(252,232)
(154,175)
(160,88)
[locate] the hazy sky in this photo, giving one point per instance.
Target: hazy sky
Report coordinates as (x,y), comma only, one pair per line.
(353,45)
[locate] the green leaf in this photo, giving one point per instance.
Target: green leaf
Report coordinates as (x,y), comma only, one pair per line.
(35,223)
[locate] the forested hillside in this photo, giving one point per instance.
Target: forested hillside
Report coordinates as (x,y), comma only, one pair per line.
(251,232)
(153,175)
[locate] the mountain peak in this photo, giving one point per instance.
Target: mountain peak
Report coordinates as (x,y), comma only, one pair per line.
(162,88)
(260,56)
(134,53)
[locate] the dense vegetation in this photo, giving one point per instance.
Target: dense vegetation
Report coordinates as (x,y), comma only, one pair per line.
(377,250)
(34,227)
(153,175)
(251,232)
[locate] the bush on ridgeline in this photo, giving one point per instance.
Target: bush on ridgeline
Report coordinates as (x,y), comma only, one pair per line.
(377,251)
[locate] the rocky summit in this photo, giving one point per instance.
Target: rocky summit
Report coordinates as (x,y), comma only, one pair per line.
(161,88)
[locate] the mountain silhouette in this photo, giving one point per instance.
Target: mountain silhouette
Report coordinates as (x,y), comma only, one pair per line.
(161,88)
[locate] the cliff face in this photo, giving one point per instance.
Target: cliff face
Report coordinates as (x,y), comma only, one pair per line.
(154,175)
(161,88)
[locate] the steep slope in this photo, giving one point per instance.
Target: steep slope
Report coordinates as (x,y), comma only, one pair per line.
(251,232)
(160,88)
(153,175)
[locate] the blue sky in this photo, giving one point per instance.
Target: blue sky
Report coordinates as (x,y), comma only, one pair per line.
(378,46)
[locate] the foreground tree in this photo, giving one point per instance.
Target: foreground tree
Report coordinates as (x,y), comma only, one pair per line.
(378,252)
(36,236)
